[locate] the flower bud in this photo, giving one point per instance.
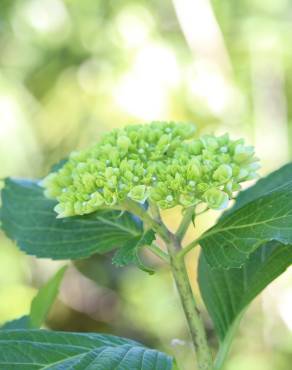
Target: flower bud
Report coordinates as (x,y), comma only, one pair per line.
(185,130)
(160,161)
(138,193)
(96,200)
(210,142)
(109,197)
(187,200)
(243,173)
(194,171)
(202,187)
(124,142)
(243,153)
(196,147)
(63,210)
(223,173)
(223,141)
(216,199)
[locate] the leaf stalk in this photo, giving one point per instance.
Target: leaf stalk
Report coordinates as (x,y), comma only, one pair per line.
(185,223)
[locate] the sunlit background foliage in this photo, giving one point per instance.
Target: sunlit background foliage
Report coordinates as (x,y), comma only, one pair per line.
(70,70)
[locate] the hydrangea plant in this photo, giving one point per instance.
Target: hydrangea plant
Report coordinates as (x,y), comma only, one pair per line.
(110,197)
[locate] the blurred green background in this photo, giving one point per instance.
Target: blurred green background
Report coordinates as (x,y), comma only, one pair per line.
(70,70)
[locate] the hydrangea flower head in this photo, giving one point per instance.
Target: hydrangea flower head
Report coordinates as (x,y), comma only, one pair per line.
(161,162)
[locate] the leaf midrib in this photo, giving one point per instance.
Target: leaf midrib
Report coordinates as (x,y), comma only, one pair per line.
(119,226)
(100,218)
(68,358)
(45,366)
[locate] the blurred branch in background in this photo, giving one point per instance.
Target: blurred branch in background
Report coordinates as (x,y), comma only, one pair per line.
(211,72)
(203,33)
(269,99)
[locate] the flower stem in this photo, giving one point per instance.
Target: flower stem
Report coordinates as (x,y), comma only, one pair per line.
(159,252)
(148,221)
(185,223)
(193,316)
(179,271)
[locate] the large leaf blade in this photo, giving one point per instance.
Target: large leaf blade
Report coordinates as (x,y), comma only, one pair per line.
(124,358)
(227,292)
(19,323)
(28,218)
(269,217)
(39,349)
(263,186)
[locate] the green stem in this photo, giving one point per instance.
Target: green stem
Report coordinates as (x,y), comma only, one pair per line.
(178,267)
(159,252)
(185,223)
(193,316)
(155,211)
(188,248)
(157,226)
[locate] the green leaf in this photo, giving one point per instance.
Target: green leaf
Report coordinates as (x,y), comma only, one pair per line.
(28,217)
(251,234)
(263,186)
(40,305)
(20,323)
(124,358)
(40,349)
(43,301)
(129,253)
(269,217)
(227,292)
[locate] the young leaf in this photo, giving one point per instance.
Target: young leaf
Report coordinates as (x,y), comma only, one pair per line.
(28,217)
(129,253)
(39,349)
(45,298)
(227,292)
(269,217)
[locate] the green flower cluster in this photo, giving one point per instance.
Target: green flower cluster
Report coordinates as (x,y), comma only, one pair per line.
(160,162)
